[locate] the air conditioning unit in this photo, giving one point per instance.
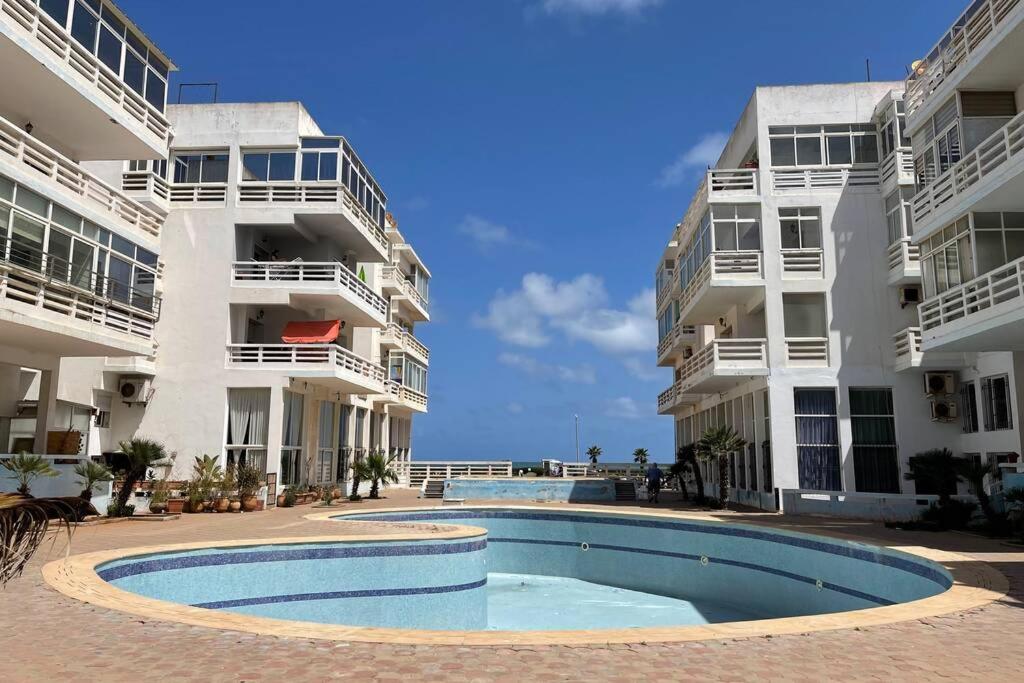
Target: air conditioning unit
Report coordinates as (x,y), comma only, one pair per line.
(910,295)
(943,411)
(134,389)
(939,383)
(687,351)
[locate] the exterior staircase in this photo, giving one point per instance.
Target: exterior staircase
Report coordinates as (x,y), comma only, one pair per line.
(625,490)
(432,488)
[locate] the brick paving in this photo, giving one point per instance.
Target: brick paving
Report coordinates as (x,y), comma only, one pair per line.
(45,636)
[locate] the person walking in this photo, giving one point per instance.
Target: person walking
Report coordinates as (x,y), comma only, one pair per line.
(654,477)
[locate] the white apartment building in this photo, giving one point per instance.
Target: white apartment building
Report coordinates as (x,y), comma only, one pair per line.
(788,308)
(79,257)
(286,336)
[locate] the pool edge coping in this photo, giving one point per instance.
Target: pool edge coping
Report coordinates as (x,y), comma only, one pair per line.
(975,584)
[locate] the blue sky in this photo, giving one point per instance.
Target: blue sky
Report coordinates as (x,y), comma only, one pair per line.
(537,154)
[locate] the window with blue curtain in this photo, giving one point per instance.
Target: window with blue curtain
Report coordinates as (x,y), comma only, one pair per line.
(817,439)
(875,464)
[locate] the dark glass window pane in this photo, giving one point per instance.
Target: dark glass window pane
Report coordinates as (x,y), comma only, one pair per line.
(782,152)
(282,166)
(109,50)
(120,279)
(57,9)
(122,246)
(147,257)
(83,27)
(865,149)
(254,167)
(136,44)
(186,169)
(134,73)
(158,64)
(329,166)
(320,143)
(839,150)
(110,18)
(215,168)
(155,91)
(309,165)
(808,151)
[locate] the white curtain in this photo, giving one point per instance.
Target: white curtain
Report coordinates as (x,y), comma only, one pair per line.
(248,414)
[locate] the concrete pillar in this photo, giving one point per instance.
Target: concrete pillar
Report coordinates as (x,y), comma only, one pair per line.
(274,435)
(47,407)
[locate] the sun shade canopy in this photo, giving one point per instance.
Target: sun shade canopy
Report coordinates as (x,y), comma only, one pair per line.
(311,331)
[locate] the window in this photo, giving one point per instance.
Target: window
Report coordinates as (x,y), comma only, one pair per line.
(947,259)
(667,320)
(408,372)
(875,463)
(320,158)
(102,402)
(800,228)
(736,227)
(898,216)
(995,403)
(291,438)
(969,401)
(817,439)
(200,168)
(999,239)
(804,315)
(832,145)
(766,445)
(937,146)
(248,417)
(344,447)
(263,166)
(325,442)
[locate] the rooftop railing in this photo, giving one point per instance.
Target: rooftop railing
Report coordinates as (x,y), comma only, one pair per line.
(732,181)
(303,272)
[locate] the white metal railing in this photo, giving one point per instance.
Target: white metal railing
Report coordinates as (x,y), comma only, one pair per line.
(212,194)
(907,343)
(400,282)
(803,261)
(667,398)
(22,148)
(903,255)
(823,178)
(998,286)
(732,180)
(146,183)
(282,272)
(48,33)
(312,193)
(675,335)
(988,157)
(723,354)
(725,264)
(966,36)
(575,469)
(899,165)
(414,473)
(807,351)
(330,356)
(405,394)
(399,336)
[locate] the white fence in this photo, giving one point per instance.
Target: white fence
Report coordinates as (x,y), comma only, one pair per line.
(65,484)
(882,507)
(904,256)
(731,181)
(199,194)
(413,474)
(731,265)
(391,276)
(279,273)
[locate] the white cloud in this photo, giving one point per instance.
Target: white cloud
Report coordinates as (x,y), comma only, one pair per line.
(644,369)
(577,308)
(624,408)
(703,154)
(583,374)
(597,7)
(487,234)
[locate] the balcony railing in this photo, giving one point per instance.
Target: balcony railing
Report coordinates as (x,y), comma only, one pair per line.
(311,193)
(146,184)
(988,157)
(803,262)
(974,297)
(968,34)
(406,395)
(674,336)
(395,334)
(807,351)
(898,166)
(21,148)
(907,345)
(732,181)
(823,178)
(722,264)
(667,289)
(723,354)
(201,194)
(398,280)
(903,255)
(330,356)
(413,473)
(53,37)
(276,273)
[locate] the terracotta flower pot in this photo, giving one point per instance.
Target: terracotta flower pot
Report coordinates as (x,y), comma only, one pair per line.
(235,506)
(176,505)
(249,503)
(222,504)
(280,500)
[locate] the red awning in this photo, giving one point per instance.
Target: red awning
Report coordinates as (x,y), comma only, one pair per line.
(311,331)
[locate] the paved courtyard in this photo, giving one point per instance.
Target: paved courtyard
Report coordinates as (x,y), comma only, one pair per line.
(45,636)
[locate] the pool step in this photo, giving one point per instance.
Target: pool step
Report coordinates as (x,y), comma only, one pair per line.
(625,490)
(433,488)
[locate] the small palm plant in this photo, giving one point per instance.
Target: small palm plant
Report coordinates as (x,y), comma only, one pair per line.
(934,471)
(974,473)
(594,452)
(26,468)
(715,446)
(380,472)
(23,526)
(139,455)
(640,456)
(90,473)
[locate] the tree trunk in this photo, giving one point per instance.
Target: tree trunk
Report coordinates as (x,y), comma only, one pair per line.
(374,488)
(86,494)
(698,480)
(723,480)
(127,489)
(355,486)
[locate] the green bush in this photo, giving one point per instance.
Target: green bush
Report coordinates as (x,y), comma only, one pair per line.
(289,498)
(953,514)
(116,510)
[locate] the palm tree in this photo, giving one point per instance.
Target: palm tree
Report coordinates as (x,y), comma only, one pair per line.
(23,525)
(934,471)
(593,453)
(716,445)
(139,455)
(91,473)
(640,456)
(360,471)
(380,472)
(27,468)
(687,456)
(973,472)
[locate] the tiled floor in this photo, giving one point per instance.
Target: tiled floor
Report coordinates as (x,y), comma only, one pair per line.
(45,636)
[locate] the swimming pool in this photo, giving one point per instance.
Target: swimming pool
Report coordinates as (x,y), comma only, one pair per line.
(526,569)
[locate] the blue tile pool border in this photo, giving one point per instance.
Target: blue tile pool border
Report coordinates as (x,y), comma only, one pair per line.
(339,595)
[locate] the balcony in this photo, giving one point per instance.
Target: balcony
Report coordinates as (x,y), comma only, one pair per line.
(904,262)
(330,365)
(730,184)
(323,206)
(673,343)
(723,364)
(724,279)
(979,35)
(667,291)
(47,306)
(395,337)
(983,314)
(897,169)
(824,178)
(199,195)
(908,353)
(309,285)
(69,96)
(66,182)
(807,352)
(404,397)
(990,178)
(395,284)
(803,264)
(147,187)
(674,399)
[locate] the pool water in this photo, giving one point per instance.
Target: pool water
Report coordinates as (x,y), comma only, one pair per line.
(530,602)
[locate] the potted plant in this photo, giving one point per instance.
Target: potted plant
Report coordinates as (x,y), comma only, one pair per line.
(158,501)
(289,498)
(137,456)
(380,471)
(249,480)
(175,503)
(225,487)
(235,505)
(91,473)
(27,468)
(281,497)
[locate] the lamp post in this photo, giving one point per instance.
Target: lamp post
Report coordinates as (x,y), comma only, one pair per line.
(577,419)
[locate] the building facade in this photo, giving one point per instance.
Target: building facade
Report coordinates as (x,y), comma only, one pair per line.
(789,307)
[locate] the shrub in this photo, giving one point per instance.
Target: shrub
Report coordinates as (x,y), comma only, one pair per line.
(953,514)
(289,497)
(115,509)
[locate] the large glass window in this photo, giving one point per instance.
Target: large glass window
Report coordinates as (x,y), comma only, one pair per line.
(947,259)
(969,401)
(248,418)
(817,439)
(995,403)
(325,442)
(320,158)
(830,145)
(200,168)
(875,463)
(264,166)
(898,216)
(804,315)
(291,438)
(737,227)
(800,227)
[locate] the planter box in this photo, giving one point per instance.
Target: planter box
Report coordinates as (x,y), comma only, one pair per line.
(175,505)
